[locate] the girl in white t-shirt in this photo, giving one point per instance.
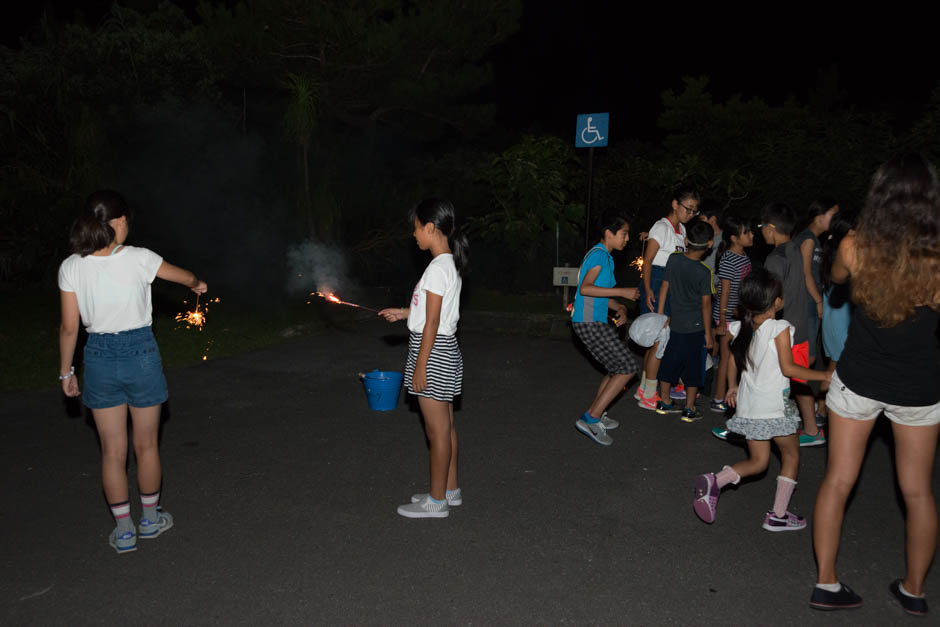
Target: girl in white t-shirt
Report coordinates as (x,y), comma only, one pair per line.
(106,285)
(434,369)
(761,350)
(666,237)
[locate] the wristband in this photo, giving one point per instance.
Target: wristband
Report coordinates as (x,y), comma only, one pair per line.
(63,377)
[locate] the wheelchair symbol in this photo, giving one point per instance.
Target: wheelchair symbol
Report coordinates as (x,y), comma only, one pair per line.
(590,130)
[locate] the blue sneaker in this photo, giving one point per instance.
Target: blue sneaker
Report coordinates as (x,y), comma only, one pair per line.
(150,529)
(123,543)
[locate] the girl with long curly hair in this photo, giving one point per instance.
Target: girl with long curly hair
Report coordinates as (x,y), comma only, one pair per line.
(890,364)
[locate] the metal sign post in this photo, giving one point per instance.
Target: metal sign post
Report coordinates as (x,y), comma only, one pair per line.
(590,132)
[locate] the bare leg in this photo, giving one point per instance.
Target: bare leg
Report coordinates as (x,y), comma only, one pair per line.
(806,404)
(111,423)
(847,440)
(452,483)
(600,389)
(437,417)
(789,455)
(652,362)
(915,448)
(757,461)
(146,421)
(721,377)
(690,395)
(614,386)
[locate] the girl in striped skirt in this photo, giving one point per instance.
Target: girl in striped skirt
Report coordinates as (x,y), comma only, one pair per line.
(434,370)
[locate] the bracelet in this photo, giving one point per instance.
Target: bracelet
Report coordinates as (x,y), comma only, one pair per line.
(63,377)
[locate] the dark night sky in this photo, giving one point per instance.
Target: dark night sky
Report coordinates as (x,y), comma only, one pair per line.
(592,56)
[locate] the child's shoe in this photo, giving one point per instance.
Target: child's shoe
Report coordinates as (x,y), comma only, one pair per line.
(667,408)
(844,599)
(123,543)
(150,529)
(719,405)
(787,522)
(705,502)
(915,606)
(595,431)
(424,509)
(454,497)
(648,402)
(721,433)
(812,440)
(691,414)
(608,422)
(677,392)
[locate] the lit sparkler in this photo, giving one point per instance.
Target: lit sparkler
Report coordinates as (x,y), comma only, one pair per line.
(197,318)
(333,298)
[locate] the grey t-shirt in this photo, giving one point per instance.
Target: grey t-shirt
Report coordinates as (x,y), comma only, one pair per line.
(817,255)
(689,280)
(786,262)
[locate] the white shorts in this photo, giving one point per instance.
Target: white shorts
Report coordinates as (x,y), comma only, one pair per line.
(848,404)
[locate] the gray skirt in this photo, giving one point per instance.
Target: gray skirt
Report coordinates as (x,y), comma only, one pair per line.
(768,428)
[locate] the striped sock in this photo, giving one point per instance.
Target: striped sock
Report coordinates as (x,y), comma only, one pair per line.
(149,503)
(122,516)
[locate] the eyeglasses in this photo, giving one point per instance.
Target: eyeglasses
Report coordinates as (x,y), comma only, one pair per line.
(694,212)
(760,226)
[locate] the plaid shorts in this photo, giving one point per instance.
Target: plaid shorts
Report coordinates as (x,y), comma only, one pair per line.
(605,345)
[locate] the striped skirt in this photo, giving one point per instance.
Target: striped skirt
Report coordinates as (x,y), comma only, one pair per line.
(445,368)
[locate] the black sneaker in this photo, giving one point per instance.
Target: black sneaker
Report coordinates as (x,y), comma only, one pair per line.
(844,599)
(915,606)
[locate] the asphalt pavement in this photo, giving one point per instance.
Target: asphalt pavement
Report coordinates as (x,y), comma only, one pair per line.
(284,486)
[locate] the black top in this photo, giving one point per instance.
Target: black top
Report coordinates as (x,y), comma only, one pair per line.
(897,365)
(688,280)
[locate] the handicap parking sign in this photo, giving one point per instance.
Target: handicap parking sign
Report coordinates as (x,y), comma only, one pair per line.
(591,131)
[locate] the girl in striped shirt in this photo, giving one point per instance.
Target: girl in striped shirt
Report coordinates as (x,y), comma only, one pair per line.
(434,370)
(733,266)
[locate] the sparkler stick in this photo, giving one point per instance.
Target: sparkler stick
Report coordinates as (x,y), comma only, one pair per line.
(331,297)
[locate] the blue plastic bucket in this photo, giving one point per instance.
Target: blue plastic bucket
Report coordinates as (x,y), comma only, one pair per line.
(383,389)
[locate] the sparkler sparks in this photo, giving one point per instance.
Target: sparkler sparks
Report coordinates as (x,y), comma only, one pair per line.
(637,263)
(197,318)
(333,298)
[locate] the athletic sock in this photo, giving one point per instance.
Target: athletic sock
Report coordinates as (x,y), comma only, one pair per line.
(434,500)
(727,475)
(588,418)
(122,516)
(149,503)
(908,594)
(785,488)
(451,493)
(829,587)
(649,388)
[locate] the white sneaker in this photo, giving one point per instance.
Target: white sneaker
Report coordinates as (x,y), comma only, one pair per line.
(453,499)
(609,423)
(424,509)
(595,431)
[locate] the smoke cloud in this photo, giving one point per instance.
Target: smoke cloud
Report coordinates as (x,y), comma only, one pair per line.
(314,266)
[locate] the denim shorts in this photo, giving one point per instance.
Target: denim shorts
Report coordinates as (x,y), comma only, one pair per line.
(123,368)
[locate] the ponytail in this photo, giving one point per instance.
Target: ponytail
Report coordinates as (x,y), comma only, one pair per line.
(742,342)
(91,231)
(460,248)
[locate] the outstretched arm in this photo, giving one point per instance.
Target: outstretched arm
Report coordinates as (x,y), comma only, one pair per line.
(789,368)
(169,272)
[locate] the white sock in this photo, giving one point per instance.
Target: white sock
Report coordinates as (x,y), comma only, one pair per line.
(830,587)
(908,594)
